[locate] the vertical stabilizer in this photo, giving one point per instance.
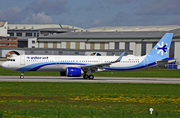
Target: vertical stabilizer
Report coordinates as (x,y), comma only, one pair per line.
(161,49)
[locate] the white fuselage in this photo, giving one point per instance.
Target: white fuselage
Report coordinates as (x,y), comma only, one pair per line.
(60,63)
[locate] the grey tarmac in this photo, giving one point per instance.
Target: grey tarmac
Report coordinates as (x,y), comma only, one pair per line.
(96,80)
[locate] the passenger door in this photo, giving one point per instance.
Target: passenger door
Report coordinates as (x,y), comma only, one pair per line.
(22,60)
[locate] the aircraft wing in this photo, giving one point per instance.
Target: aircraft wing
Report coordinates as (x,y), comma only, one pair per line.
(94,67)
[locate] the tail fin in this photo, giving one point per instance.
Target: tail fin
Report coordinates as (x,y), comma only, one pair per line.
(161,49)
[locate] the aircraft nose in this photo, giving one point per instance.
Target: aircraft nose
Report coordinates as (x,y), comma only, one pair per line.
(4,65)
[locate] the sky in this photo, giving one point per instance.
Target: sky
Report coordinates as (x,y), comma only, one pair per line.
(91,13)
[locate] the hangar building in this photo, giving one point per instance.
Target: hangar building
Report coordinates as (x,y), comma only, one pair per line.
(139,39)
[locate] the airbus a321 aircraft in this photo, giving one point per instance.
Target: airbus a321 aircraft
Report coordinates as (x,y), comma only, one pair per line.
(74,66)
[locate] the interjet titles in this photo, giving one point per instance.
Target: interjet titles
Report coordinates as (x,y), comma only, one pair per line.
(37,57)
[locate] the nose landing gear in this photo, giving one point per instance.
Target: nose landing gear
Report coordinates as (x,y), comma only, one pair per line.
(22,75)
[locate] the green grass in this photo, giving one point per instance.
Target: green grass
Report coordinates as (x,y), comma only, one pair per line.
(154,72)
(84,99)
(90,99)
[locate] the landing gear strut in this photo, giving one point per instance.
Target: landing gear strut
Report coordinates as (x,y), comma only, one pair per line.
(22,75)
(88,77)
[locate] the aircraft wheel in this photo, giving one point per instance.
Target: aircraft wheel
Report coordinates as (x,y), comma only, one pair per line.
(85,76)
(91,77)
(22,77)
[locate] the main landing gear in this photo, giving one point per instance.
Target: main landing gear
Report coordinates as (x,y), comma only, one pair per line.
(22,75)
(85,76)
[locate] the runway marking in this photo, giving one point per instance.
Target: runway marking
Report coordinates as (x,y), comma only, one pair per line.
(96,80)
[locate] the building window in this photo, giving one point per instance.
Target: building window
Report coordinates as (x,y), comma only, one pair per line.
(143,48)
(33,42)
(10,39)
(4,39)
(0,44)
(32,51)
(28,34)
(126,45)
(33,46)
(19,34)
(0,39)
(116,45)
(35,34)
(14,44)
(14,40)
(46,51)
(11,34)
(4,44)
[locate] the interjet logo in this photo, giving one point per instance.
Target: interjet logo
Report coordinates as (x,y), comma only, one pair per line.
(162,48)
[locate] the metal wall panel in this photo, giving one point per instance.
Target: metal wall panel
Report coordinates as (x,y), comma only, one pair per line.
(92,46)
(177,51)
(77,46)
(116,45)
(122,45)
(54,44)
(111,45)
(138,49)
(45,45)
(82,45)
(50,45)
(106,46)
(132,47)
(41,45)
(68,45)
(63,44)
(148,47)
(72,45)
(58,45)
(102,46)
(97,46)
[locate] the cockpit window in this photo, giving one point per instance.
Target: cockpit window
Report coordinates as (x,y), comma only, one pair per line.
(11,60)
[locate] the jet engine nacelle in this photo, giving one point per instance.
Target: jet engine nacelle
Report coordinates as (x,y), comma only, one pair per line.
(73,72)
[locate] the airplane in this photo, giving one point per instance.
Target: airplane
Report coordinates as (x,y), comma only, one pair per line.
(75,66)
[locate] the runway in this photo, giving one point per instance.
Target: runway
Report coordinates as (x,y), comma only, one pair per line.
(96,80)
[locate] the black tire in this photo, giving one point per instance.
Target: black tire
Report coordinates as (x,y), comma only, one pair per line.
(21,77)
(91,77)
(85,76)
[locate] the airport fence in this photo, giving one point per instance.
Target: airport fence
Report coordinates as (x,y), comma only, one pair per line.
(85,114)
